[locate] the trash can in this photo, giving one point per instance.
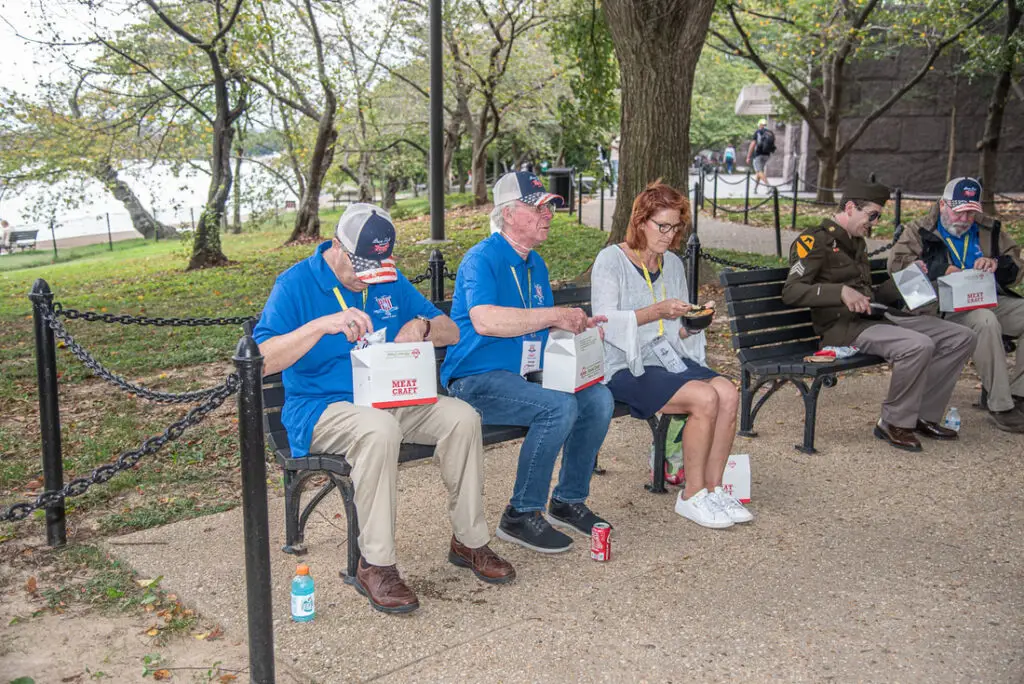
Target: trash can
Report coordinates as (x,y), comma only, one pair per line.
(560,182)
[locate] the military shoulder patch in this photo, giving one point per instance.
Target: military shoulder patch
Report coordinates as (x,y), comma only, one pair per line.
(804,245)
(797,269)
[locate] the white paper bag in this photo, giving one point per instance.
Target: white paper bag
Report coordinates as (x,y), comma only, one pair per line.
(736,479)
(394,374)
(966,290)
(914,286)
(573,362)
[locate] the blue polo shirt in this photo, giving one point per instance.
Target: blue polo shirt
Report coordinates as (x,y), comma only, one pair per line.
(324,374)
(962,255)
(485,277)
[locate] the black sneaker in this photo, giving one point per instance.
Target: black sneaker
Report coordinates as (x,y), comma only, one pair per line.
(573,516)
(533,531)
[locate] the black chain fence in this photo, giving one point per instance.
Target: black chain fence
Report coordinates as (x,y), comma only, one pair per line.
(126,319)
(126,459)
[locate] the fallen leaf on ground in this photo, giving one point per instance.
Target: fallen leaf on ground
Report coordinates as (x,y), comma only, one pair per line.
(30,585)
(153,631)
(227,678)
(160,675)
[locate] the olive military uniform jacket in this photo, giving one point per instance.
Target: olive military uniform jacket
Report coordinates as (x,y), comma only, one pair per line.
(921,241)
(822,260)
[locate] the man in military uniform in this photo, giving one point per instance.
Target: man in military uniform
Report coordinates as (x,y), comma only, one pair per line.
(829,272)
(956,235)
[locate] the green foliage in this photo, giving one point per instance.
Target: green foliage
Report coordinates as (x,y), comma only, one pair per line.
(717,83)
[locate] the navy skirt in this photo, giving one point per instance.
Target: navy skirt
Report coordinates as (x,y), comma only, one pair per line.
(648,393)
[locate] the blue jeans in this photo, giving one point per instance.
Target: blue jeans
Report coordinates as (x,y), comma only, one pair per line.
(577,421)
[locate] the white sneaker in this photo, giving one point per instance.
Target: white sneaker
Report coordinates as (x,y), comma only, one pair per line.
(731,505)
(701,509)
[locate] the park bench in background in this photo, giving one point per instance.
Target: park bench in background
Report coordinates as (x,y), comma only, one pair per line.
(21,239)
(337,470)
(771,339)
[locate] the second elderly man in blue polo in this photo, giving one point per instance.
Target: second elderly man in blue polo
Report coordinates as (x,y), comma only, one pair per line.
(504,308)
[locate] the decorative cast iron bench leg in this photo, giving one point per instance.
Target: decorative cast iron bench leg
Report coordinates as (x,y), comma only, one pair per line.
(348,496)
(810,396)
(292,504)
(746,402)
(313,503)
(659,429)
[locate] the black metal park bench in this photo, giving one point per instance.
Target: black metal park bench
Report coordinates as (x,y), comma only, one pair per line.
(771,339)
(21,240)
(337,470)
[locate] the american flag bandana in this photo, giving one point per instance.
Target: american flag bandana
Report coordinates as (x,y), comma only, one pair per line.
(374,272)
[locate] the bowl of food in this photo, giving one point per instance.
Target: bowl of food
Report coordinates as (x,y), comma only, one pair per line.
(698,318)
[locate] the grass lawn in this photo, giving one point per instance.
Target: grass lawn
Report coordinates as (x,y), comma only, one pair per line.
(198,473)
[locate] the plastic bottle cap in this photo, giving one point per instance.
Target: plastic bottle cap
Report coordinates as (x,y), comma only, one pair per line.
(302,570)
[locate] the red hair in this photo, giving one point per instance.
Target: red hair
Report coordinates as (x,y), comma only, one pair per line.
(655,197)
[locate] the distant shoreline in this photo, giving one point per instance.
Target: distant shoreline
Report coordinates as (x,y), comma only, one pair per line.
(83,240)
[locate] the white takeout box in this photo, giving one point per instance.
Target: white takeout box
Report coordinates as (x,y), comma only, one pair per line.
(966,290)
(573,362)
(736,478)
(394,374)
(914,286)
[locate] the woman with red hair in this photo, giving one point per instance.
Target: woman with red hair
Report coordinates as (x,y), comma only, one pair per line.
(652,364)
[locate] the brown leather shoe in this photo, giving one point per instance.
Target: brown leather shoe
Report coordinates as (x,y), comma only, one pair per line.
(901,438)
(935,431)
(385,588)
(485,564)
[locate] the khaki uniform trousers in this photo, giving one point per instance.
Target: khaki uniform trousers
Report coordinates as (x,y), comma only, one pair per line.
(990,357)
(370,439)
(927,355)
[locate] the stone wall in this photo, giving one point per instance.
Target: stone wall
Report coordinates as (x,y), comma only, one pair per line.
(908,146)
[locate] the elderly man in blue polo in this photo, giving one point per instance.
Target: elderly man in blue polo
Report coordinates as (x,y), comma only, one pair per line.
(504,308)
(316,313)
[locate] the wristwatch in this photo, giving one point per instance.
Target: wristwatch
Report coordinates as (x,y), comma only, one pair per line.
(426,335)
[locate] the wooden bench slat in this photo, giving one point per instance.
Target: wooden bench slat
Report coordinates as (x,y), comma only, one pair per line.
(759,306)
(768,275)
(775,351)
(736,294)
(760,338)
(775,320)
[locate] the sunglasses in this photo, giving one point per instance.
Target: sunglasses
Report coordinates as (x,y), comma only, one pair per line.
(873,216)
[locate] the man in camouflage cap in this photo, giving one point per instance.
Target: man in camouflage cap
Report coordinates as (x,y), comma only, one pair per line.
(829,272)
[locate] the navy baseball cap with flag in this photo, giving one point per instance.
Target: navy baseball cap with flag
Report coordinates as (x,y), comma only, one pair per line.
(963,194)
(367,234)
(525,187)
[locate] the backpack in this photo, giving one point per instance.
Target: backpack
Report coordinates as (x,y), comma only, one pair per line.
(767,144)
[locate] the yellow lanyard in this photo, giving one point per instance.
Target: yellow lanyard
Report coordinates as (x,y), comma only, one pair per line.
(344,306)
(650,285)
(519,288)
(961,259)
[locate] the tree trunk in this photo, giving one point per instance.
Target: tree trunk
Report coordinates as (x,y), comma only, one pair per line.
(307,218)
(206,249)
(142,220)
(479,170)
(236,195)
(657,45)
(989,144)
(390,190)
(827,166)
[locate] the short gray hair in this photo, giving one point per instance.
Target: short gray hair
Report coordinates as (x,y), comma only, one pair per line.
(498,215)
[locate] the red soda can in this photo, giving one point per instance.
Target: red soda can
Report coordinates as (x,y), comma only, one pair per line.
(601,541)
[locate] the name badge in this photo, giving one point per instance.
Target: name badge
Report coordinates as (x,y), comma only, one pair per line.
(531,357)
(667,355)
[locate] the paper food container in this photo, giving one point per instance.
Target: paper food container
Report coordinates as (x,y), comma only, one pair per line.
(914,286)
(573,362)
(736,478)
(966,290)
(394,374)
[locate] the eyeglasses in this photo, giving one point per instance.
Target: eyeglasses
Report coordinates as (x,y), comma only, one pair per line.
(668,227)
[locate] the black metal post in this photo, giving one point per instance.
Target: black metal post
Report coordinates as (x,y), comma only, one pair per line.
(579,194)
(693,264)
(601,208)
(796,185)
(436,265)
(249,365)
(49,411)
(436,124)
(53,236)
(778,227)
(110,240)
(897,213)
(570,199)
(714,197)
(696,203)
(156,227)
(746,198)
(703,178)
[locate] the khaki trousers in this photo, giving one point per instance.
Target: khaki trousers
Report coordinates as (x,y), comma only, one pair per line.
(927,355)
(370,439)
(990,357)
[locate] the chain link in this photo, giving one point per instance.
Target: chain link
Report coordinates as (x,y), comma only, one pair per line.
(730,263)
(61,333)
(126,319)
(127,459)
